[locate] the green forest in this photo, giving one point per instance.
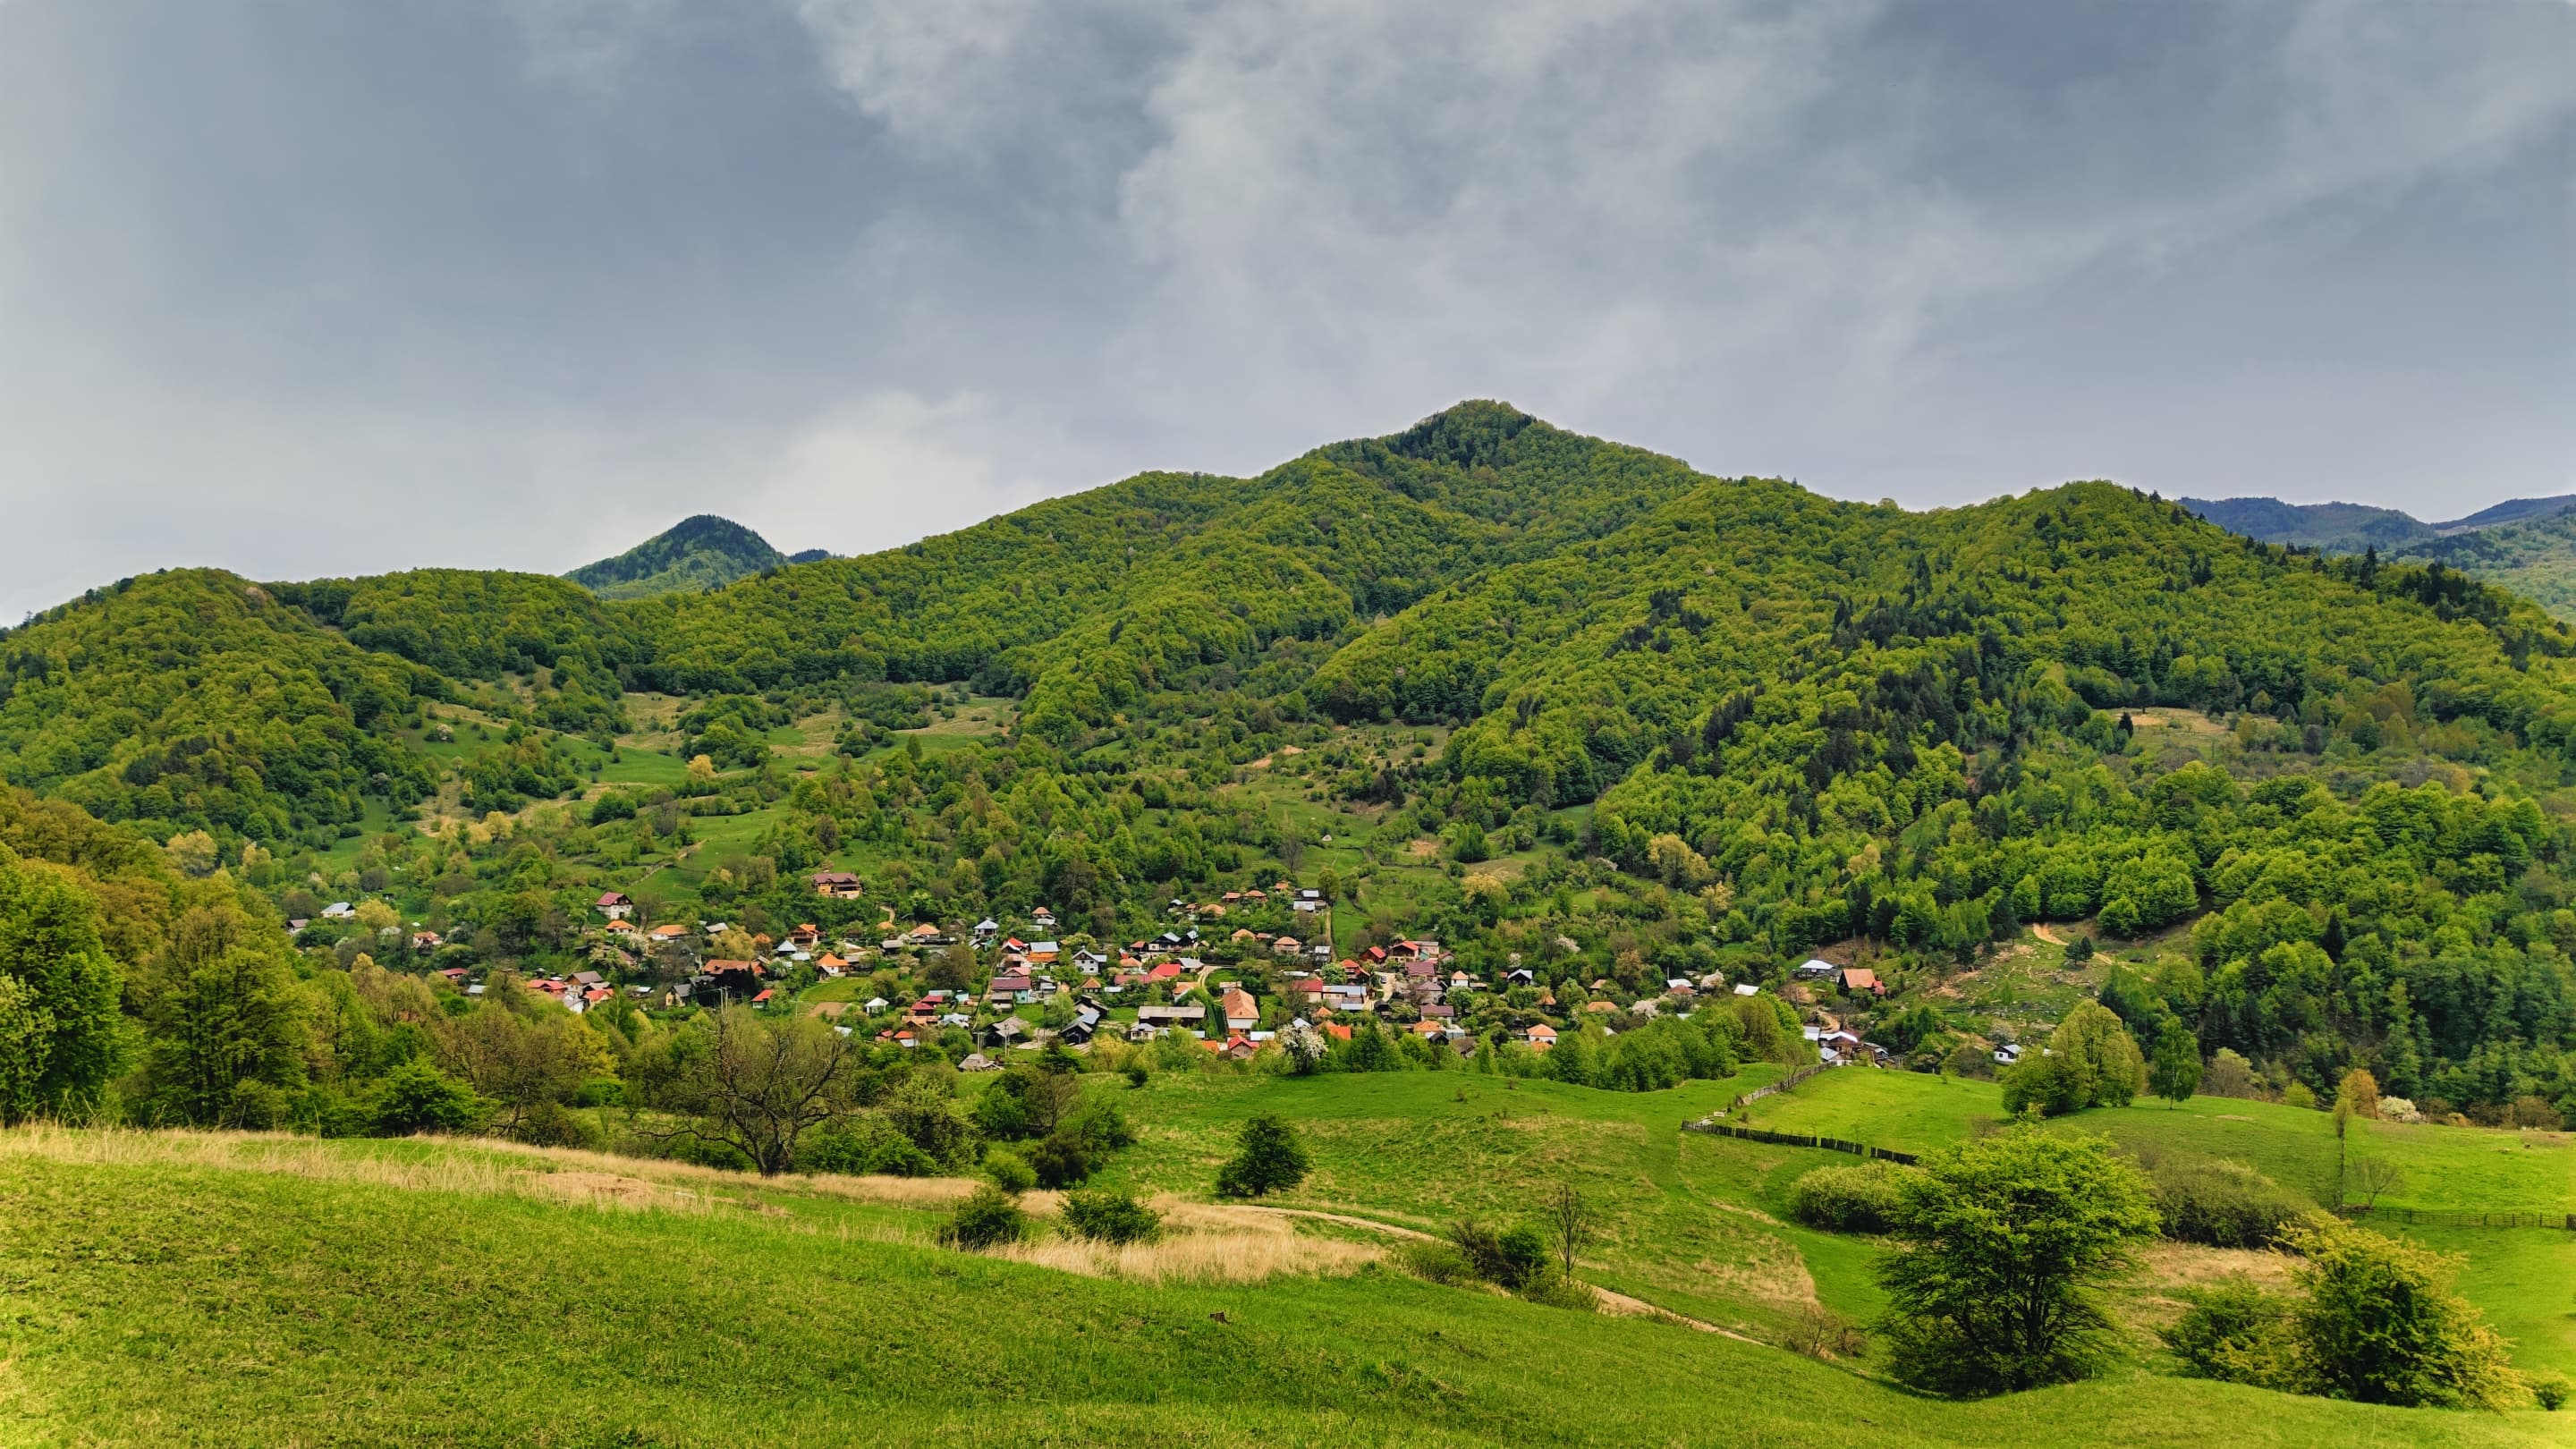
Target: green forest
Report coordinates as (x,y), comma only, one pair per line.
(1563,705)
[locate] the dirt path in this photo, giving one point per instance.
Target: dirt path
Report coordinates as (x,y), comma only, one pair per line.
(2045,934)
(1627,1307)
(1619,1304)
(1371,1224)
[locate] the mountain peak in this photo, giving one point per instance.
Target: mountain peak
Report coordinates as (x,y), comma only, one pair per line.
(698,553)
(1470,434)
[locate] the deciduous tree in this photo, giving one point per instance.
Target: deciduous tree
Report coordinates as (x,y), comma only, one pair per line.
(2008,1241)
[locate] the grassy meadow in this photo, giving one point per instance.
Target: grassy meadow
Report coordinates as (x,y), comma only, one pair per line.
(2475,1169)
(1700,1225)
(228,1289)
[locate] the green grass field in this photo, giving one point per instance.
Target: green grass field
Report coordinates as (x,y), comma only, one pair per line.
(2524,1279)
(340,1293)
(2465,1168)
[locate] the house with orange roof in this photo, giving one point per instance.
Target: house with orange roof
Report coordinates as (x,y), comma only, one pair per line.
(1242,1013)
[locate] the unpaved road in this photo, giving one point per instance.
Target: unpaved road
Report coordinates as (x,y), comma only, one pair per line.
(1617,1303)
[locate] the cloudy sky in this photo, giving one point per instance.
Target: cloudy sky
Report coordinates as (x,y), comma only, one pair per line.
(322,286)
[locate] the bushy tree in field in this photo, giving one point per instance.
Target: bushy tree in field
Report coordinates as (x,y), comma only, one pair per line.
(1267,1158)
(988,1217)
(2008,1241)
(739,1080)
(1112,1217)
(2174,1071)
(2091,1061)
(418,1097)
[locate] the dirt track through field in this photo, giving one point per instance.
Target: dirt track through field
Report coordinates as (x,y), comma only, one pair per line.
(1619,1304)
(1371,1224)
(1627,1307)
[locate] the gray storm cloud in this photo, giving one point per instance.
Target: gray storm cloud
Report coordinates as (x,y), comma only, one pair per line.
(298,287)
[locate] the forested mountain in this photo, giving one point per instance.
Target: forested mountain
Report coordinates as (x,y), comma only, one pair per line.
(1712,724)
(2535,558)
(694,555)
(2527,545)
(2332,527)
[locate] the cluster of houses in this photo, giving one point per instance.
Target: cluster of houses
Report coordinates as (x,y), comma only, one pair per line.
(1413,985)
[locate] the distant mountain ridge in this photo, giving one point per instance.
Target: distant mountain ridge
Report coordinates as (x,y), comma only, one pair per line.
(2352,527)
(2524,544)
(692,556)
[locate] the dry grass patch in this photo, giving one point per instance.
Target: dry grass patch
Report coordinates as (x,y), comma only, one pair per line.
(2188,1265)
(1772,1280)
(471,1174)
(480,1167)
(1202,1243)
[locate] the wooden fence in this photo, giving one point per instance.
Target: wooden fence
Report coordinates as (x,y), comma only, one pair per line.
(1799,1139)
(1782,1085)
(2446,1218)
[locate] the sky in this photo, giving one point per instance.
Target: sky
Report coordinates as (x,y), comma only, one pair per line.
(313,287)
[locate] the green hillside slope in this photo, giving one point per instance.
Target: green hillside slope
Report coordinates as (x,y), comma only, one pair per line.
(696,554)
(398,1304)
(1540,696)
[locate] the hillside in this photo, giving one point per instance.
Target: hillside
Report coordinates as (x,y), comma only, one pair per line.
(256,1290)
(1537,795)
(1544,698)
(692,556)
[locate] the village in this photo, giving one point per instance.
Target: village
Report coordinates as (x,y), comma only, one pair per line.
(974,992)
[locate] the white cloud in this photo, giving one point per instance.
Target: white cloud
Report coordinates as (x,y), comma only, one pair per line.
(1340,209)
(854,269)
(883,470)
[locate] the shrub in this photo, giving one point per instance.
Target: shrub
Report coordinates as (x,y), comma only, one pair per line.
(2548,1390)
(1970,1060)
(2221,1203)
(1555,1290)
(1103,1127)
(1856,1199)
(843,1147)
(2229,1075)
(1435,1263)
(1268,1158)
(1821,1333)
(1061,1160)
(2531,1111)
(2238,1333)
(929,1118)
(417,1097)
(986,1218)
(2380,1326)
(1514,1257)
(548,1123)
(897,1157)
(258,1106)
(2373,1323)
(1008,1172)
(1112,1217)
